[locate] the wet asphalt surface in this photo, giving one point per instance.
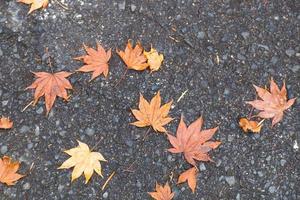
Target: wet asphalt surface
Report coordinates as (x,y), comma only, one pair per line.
(214,49)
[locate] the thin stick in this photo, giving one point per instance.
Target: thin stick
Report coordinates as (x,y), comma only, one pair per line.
(182,95)
(95,145)
(122,78)
(109,178)
(146,134)
(62,5)
(30,103)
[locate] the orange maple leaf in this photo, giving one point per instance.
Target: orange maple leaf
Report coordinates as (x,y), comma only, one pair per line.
(134,57)
(152,114)
(190,176)
(248,125)
(273,103)
(162,192)
(50,85)
(35,4)
(193,142)
(5,123)
(96,61)
(8,170)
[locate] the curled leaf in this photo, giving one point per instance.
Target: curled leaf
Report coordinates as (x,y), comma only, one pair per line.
(5,123)
(35,4)
(154,59)
(250,126)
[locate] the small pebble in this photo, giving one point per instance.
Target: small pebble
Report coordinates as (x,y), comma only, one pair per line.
(40,110)
(133,7)
(122,5)
(201,35)
(230,180)
(202,167)
(3,149)
(90,131)
(24,129)
(272,189)
(26,186)
(295,68)
(245,35)
(105,195)
(290,52)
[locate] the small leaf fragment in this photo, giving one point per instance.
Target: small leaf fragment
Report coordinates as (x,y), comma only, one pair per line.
(250,126)
(35,4)
(190,176)
(5,123)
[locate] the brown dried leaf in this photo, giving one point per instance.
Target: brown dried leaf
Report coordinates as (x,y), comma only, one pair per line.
(8,171)
(134,57)
(273,103)
(190,176)
(96,61)
(248,125)
(152,114)
(162,192)
(193,142)
(35,4)
(50,85)
(5,123)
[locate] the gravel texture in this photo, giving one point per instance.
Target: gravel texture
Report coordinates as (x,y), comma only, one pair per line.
(215,49)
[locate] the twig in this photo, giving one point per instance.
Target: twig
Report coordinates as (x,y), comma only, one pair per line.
(122,78)
(109,178)
(62,5)
(30,103)
(182,95)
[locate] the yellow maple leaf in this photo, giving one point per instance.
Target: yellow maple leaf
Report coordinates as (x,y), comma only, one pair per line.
(35,4)
(83,161)
(154,59)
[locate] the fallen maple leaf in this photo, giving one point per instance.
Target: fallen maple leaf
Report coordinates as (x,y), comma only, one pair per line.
(162,192)
(273,103)
(35,4)
(154,59)
(8,171)
(134,57)
(83,161)
(96,61)
(193,142)
(248,125)
(152,114)
(190,176)
(5,123)
(50,85)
